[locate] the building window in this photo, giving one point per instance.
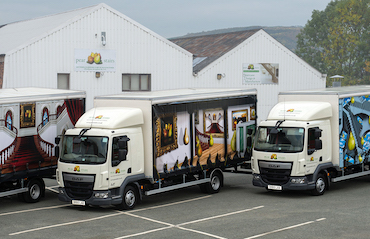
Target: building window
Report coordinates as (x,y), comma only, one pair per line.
(136,82)
(9,120)
(63,81)
(45,116)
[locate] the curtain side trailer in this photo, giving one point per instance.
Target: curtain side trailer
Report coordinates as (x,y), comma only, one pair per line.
(30,119)
(153,142)
(312,139)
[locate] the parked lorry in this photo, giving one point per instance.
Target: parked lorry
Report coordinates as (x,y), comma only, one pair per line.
(30,119)
(312,139)
(137,144)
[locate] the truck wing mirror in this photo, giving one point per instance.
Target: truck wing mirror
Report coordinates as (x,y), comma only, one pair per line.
(56,151)
(317,133)
(57,140)
(122,154)
(122,142)
(318,144)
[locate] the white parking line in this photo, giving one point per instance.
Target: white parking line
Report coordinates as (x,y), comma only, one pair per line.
(179,226)
(92,219)
(203,233)
(52,189)
(170,204)
(35,209)
(223,215)
(143,233)
(64,224)
(285,228)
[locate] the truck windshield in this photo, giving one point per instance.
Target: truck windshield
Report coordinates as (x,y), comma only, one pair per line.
(288,140)
(85,150)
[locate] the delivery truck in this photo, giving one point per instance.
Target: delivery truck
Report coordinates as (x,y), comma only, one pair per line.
(139,144)
(30,119)
(312,139)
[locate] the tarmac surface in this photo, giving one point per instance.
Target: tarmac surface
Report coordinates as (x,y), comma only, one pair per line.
(239,210)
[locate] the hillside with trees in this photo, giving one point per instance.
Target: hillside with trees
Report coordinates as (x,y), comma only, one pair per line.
(336,41)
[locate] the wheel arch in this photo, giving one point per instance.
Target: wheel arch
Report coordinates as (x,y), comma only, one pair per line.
(324,169)
(132,181)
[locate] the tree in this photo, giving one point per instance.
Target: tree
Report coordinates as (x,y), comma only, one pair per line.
(337,40)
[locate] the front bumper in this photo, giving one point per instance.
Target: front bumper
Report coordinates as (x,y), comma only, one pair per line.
(63,196)
(306,185)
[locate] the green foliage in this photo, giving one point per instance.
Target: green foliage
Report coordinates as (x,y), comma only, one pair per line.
(336,41)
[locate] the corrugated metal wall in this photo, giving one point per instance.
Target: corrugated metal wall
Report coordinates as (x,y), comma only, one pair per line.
(138,51)
(294,73)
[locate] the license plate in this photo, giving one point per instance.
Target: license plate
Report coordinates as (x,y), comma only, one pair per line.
(78,202)
(274,187)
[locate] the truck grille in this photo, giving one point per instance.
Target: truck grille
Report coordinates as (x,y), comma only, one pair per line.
(275,172)
(79,187)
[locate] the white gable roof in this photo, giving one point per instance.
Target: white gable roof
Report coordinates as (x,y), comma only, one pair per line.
(20,33)
(17,35)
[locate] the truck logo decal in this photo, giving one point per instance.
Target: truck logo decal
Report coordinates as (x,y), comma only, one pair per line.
(99,117)
(274,166)
(117,170)
(273,156)
(77,169)
(290,110)
(311,159)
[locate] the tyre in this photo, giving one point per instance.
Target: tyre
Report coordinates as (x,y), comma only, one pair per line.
(35,191)
(321,185)
(130,198)
(215,184)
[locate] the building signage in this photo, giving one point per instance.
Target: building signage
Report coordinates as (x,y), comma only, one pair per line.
(260,73)
(95,60)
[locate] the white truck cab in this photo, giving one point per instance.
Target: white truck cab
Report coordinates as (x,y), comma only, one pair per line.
(91,155)
(313,138)
(292,145)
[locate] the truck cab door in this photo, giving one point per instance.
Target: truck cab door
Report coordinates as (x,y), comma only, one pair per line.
(120,166)
(314,149)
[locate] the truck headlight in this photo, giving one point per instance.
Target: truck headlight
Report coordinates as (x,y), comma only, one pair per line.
(101,195)
(298,180)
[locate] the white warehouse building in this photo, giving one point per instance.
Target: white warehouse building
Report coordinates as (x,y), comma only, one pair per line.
(101,51)
(249,59)
(53,52)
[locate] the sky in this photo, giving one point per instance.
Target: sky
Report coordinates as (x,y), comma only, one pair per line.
(172,18)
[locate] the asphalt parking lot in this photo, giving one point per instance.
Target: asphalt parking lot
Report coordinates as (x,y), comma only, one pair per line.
(239,210)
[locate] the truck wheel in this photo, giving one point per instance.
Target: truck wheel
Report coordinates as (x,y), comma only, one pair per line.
(214,185)
(130,198)
(34,193)
(320,185)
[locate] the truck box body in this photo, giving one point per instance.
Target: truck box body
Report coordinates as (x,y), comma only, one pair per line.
(345,140)
(350,108)
(183,133)
(173,109)
(30,120)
